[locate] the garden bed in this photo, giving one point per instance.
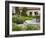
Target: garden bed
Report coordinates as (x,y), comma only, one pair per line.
(22,27)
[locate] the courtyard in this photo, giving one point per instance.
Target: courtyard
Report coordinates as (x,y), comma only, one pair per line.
(22,21)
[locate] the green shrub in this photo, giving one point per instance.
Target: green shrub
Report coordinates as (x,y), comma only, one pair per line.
(13,26)
(33,27)
(29,27)
(34,16)
(14,19)
(18,19)
(17,28)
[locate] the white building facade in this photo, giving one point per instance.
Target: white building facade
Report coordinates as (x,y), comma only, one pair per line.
(32,11)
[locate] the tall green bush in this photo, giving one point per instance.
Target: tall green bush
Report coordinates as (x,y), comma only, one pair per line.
(24,10)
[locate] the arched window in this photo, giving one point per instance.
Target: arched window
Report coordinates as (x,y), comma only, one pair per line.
(30,13)
(36,13)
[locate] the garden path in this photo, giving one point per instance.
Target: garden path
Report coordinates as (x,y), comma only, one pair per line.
(33,21)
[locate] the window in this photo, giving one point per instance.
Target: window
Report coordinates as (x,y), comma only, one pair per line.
(36,13)
(30,13)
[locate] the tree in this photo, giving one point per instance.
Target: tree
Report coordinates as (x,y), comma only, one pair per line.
(17,10)
(24,10)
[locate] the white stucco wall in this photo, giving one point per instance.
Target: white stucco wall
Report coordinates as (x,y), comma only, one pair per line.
(33,14)
(28,12)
